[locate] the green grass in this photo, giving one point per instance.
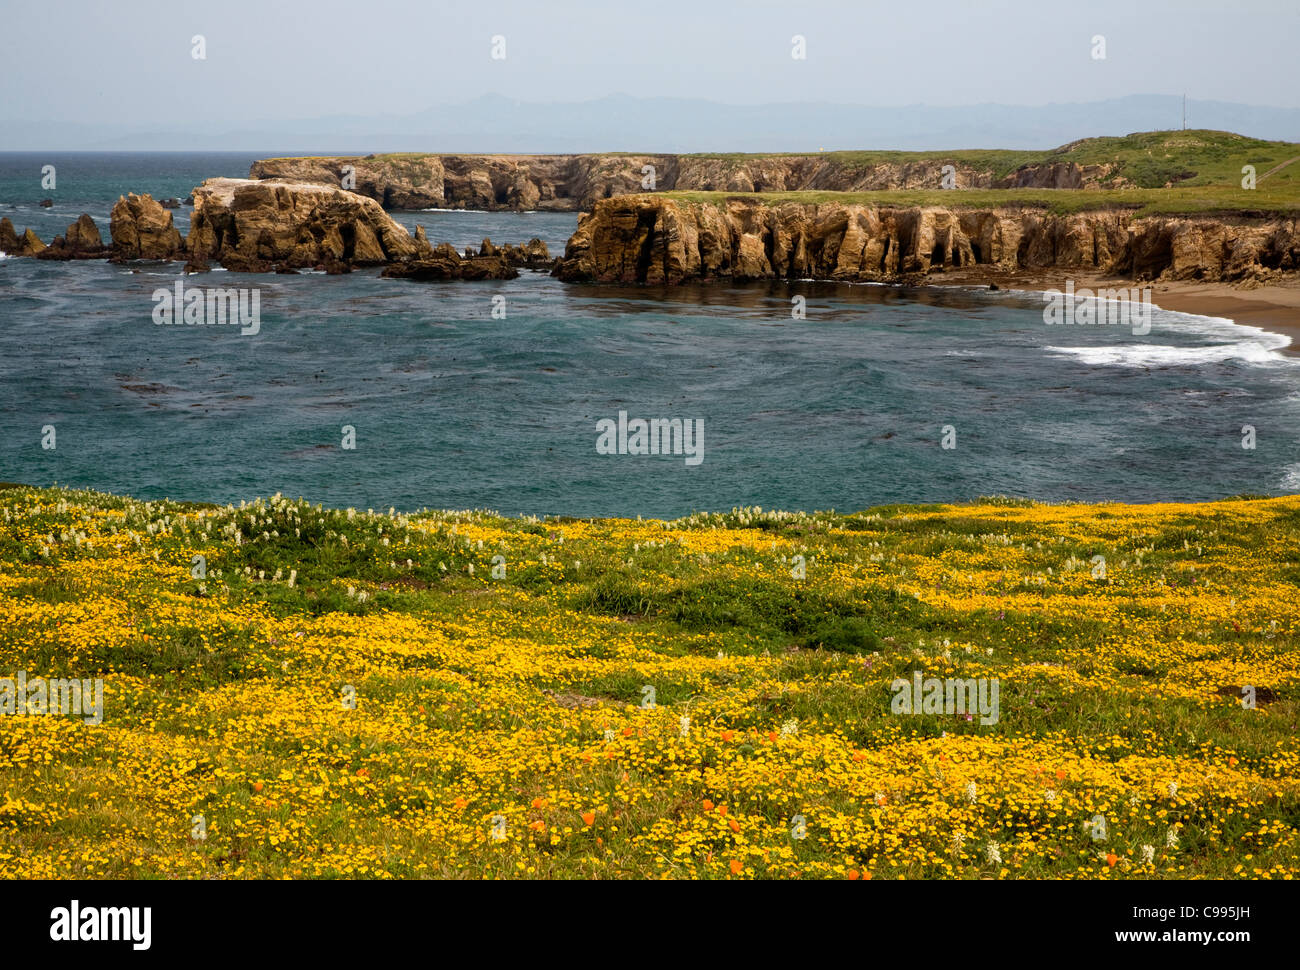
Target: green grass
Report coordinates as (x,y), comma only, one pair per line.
(1267,200)
(1145,159)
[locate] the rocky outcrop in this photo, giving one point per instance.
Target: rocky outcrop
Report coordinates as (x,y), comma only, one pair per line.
(489,182)
(250,225)
(12,244)
(489,262)
(533,254)
(81,241)
(142,229)
(444,263)
(29,244)
(650,239)
(83,236)
(277,226)
(577,182)
(8,238)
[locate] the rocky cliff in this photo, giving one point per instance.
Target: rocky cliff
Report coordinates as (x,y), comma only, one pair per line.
(12,244)
(254,226)
(577,182)
(651,239)
(262,225)
(143,229)
(81,241)
(248,225)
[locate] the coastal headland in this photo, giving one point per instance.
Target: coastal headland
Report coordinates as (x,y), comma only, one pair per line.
(1210,219)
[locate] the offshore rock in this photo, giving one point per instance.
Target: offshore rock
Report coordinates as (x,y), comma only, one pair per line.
(142,229)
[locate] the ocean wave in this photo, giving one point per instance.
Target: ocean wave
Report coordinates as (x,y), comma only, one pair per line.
(1291,477)
(1232,341)
(1262,350)
(1240,341)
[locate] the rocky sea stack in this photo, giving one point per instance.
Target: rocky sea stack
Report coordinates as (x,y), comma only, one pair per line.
(143,229)
(252,225)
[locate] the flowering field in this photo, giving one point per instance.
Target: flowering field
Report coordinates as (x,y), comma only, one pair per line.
(296,692)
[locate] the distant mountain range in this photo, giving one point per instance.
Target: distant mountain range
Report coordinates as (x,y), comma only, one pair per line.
(622,123)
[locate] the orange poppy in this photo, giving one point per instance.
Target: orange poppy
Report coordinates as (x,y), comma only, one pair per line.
(853,874)
(708,805)
(736,867)
(588,818)
(728,735)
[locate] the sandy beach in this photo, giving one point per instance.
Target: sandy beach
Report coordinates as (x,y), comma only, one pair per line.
(1273,306)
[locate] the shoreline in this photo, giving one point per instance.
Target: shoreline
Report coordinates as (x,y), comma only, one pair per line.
(1274,307)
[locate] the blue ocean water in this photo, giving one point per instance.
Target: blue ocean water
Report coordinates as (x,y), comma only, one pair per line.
(454,407)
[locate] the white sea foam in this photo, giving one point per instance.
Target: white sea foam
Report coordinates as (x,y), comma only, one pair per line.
(1232,341)
(1158,355)
(1291,477)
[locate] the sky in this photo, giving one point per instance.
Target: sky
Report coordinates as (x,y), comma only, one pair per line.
(110,62)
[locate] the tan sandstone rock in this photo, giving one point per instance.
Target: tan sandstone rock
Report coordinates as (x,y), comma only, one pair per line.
(248,223)
(142,229)
(650,239)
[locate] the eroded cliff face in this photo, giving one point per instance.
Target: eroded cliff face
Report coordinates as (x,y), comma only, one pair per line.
(578,182)
(12,244)
(490,182)
(262,225)
(142,229)
(650,239)
(247,224)
(81,241)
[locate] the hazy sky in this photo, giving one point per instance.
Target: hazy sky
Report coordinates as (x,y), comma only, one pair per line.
(119,60)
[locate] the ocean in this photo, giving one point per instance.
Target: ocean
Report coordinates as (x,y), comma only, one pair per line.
(489,394)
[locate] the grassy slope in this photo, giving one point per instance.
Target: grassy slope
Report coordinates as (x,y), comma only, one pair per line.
(1203,170)
(516,698)
(1146,159)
